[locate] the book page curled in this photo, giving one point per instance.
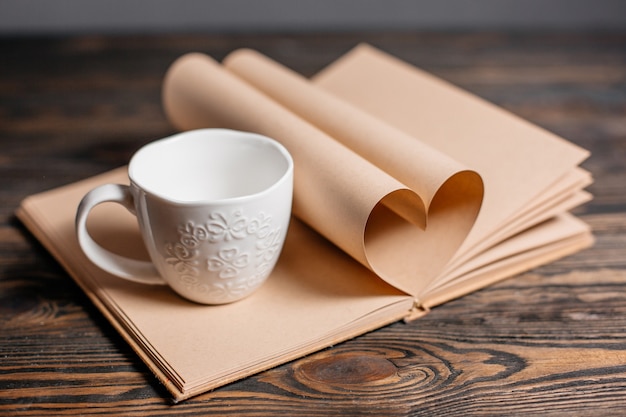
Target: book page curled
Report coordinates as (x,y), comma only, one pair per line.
(394,208)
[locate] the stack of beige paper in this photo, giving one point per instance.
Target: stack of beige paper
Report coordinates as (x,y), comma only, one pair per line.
(409,192)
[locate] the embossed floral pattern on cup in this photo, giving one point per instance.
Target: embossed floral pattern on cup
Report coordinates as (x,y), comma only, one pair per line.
(238,267)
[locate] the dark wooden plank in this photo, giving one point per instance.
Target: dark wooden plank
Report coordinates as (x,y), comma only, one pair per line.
(548,342)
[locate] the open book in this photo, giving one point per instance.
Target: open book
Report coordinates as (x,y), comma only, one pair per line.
(409,192)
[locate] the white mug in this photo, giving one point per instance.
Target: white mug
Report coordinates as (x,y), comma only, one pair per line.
(213,207)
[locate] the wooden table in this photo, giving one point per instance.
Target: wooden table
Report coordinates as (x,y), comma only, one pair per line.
(548,342)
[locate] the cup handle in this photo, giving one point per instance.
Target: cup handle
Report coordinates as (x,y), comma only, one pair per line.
(127,268)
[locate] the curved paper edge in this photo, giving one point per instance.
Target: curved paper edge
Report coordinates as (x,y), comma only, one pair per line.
(397,251)
(335,190)
(408,257)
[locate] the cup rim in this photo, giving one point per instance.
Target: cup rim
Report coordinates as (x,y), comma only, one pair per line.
(288,173)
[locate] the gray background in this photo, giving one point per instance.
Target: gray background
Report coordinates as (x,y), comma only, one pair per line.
(25,17)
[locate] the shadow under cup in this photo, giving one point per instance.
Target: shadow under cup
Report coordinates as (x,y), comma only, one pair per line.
(213,207)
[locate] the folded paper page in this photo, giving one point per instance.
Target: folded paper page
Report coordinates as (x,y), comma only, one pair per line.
(516,159)
(343,188)
(530,175)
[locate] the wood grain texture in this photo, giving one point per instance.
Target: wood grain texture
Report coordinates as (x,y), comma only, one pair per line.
(548,342)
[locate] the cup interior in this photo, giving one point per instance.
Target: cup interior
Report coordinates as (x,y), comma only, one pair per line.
(209,165)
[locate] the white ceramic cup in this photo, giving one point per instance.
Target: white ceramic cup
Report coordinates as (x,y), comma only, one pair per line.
(213,207)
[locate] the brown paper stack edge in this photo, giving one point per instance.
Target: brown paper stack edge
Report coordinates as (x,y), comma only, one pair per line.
(409,192)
